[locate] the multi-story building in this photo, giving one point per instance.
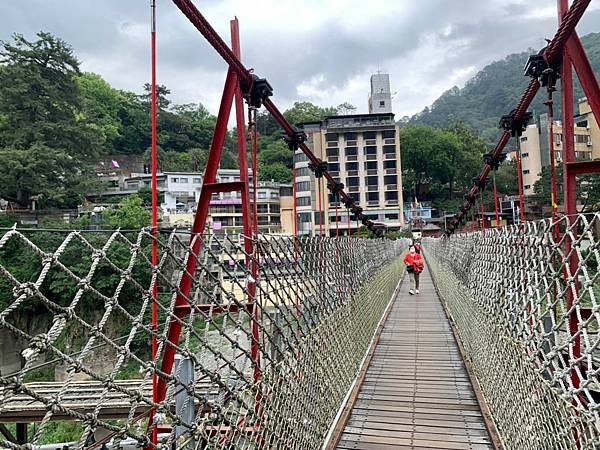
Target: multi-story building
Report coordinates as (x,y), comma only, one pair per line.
(178,191)
(534,146)
(363,152)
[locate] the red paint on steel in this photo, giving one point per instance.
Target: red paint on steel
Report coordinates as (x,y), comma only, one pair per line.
(570,188)
(185,285)
(154,214)
(583,167)
(520,183)
(496,204)
(294,210)
(553,183)
(586,75)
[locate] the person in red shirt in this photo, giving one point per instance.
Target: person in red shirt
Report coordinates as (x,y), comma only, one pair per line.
(414,266)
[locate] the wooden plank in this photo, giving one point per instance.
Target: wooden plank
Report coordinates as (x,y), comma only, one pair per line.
(416,393)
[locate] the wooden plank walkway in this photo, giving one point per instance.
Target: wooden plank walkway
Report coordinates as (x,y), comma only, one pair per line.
(416,393)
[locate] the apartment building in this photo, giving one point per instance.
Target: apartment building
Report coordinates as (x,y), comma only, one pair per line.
(178,191)
(534,144)
(363,152)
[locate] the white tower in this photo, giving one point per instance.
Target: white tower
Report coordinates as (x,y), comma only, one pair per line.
(380,100)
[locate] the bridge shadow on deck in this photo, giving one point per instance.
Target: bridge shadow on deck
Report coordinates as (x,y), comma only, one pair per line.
(416,393)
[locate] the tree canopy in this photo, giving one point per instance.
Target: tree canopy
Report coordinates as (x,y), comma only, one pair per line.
(47,144)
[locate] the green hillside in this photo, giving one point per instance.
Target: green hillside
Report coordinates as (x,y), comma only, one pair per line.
(493,92)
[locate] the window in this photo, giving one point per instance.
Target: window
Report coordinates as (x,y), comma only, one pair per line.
(390,179)
(382,103)
(391,195)
(372,196)
(370,135)
(319,216)
(351,151)
(174,180)
(334,167)
(262,209)
(524,138)
(391,216)
(183,180)
(274,208)
(331,137)
(371,150)
(371,165)
(581,139)
(524,155)
(352,181)
(333,152)
(527,186)
(372,181)
(300,157)
(303,201)
(389,134)
(526,171)
(389,164)
(262,194)
(134,185)
(351,136)
(389,149)
(274,194)
(196,180)
(302,172)
(583,155)
(351,166)
(303,186)
(557,138)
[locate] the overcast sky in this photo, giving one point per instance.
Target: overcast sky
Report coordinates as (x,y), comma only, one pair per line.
(321,51)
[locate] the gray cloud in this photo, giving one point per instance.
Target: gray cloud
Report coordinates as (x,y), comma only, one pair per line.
(323,51)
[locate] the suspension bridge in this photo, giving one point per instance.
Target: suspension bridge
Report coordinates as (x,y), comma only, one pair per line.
(186,339)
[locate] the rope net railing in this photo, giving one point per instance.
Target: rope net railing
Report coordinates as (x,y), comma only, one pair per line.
(270,340)
(525,301)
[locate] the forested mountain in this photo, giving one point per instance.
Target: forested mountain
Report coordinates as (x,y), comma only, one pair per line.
(493,92)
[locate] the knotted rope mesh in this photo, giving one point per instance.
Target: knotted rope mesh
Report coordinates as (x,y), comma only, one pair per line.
(270,339)
(526,303)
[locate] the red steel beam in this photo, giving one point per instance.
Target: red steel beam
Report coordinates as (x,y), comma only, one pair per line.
(583,167)
(586,75)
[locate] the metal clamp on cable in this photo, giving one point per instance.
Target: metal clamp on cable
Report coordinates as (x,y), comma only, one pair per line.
(294,141)
(336,188)
(513,125)
(479,183)
(319,169)
(256,92)
(358,212)
(538,68)
(494,163)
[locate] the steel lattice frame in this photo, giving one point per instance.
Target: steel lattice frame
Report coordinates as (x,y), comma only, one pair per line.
(318,303)
(506,291)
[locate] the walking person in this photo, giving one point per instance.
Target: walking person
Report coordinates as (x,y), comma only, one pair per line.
(414,266)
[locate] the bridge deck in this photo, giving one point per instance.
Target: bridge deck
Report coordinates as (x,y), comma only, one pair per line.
(416,393)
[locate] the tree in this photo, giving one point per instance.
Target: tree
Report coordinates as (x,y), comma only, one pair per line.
(162,102)
(46,145)
(130,214)
(306,112)
(276,172)
(588,189)
(276,152)
(101,105)
(345,108)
